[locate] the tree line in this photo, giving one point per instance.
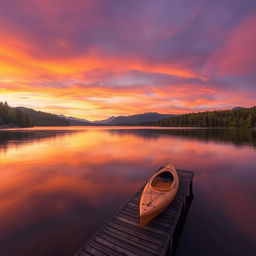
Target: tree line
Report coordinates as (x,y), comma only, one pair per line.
(39,118)
(25,117)
(13,116)
(242,117)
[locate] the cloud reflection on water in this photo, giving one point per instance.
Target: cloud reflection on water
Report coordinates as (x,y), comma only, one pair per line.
(66,186)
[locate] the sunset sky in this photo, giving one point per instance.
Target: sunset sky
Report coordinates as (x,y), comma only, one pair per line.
(94,59)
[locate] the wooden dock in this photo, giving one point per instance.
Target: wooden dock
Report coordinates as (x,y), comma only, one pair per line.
(122,234)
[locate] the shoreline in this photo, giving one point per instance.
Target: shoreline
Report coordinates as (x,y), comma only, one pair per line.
(9,127)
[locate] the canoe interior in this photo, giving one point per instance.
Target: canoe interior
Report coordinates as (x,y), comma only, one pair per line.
(164,180)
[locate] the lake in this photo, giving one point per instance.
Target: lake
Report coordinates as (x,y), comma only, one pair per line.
(59,185)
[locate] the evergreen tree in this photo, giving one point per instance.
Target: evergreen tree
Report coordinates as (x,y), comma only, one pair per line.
(23,117)
(243,118)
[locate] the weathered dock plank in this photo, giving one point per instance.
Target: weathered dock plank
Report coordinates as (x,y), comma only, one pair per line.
(122,234)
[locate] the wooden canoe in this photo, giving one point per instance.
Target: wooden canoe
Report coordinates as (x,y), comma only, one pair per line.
(158,193)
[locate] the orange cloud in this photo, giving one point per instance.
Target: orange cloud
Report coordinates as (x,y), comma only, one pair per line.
(63,83)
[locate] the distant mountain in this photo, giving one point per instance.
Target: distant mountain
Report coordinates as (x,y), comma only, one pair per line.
(105,121)
(73,121)
(135,119)
(119,120)
(39,118)
(237,108)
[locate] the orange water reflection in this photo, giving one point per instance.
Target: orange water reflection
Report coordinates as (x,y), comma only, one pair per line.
(64,186)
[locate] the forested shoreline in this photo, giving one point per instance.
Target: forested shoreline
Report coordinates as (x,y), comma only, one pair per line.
(25,117)
(13,116)
(237,118)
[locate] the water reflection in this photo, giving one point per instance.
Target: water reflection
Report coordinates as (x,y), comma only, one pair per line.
(234,136)
(59,187)
(9,138)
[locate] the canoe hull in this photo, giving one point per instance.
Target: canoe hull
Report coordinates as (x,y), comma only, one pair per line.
(153,199)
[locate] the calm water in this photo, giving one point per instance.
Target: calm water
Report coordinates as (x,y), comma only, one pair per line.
(57,187)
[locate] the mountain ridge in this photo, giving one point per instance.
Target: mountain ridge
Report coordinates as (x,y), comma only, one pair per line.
(120,120)
(27,117)
(74,121)
(139,118)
